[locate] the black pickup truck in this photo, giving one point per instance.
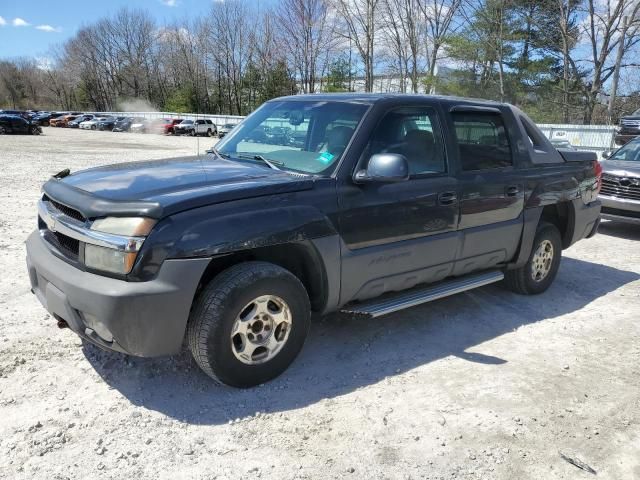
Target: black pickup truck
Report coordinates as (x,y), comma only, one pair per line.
(384,202)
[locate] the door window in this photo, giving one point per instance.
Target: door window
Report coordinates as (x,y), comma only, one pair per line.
(482,141)
(415,133)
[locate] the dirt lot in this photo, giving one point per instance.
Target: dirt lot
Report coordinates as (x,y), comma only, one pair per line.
(484,385)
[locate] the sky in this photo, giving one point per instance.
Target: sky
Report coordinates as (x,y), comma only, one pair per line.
(31,27)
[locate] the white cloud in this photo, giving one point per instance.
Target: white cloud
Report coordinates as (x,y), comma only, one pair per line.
(3,22)
(170,3)
(48,28)
(19,22)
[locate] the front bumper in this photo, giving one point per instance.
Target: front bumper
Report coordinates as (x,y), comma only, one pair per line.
(145,319)
(620,209)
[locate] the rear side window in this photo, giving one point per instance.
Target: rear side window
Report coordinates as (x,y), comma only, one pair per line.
(482,141)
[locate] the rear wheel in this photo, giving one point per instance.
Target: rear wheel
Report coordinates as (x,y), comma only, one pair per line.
(542,266)
(249,324)
(209,133)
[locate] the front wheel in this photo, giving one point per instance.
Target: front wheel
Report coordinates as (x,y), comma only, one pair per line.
(541,268)
(35,131)
(249,323)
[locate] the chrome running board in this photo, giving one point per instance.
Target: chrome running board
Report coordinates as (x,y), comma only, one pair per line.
(402,300)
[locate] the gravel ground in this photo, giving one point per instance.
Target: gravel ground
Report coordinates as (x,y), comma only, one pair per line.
(483,385)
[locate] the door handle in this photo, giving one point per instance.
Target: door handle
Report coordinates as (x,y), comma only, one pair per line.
(512,191)
(448,198)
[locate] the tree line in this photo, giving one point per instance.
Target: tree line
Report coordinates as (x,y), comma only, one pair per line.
(560,60)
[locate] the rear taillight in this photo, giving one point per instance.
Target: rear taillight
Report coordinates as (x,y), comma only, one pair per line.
(597,170)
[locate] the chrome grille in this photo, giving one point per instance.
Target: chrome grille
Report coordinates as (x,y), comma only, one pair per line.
(66,245)
(68,211)
(620,187)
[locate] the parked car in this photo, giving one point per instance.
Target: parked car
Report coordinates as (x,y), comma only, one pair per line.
(629,128)
(62,121)
(620,194)
(108,123)
(124,125)
(91,124)
(18,124)
(278,136)
(167,125)
(257,135)
(79,119)
(140,125)
(196,127)
(21,113)
(225,129)
(44,118)
(234,254)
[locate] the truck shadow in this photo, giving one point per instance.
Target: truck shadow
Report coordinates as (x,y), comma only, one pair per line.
(343,354)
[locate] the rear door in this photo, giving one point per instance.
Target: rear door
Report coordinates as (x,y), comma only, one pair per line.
(491,188)
(400,234)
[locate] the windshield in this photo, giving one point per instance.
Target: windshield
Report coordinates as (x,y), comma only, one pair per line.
(629,153)
(303,136)
(187,121)
(637,113)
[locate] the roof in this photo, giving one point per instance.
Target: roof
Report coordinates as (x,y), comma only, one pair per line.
(372,98)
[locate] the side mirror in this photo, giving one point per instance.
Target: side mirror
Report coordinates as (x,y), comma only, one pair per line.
(607,154)
(384,167)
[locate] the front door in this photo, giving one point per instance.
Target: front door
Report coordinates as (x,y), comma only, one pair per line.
(397,235)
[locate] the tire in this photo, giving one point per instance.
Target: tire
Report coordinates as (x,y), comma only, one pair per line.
(2,131)
(193,133)
(230,300)
(537,275)
(93,127)
(35,131)
(209,133)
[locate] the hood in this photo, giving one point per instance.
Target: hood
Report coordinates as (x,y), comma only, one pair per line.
(164,187)
(621,168)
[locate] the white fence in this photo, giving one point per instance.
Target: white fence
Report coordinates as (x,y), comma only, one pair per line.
(596,138)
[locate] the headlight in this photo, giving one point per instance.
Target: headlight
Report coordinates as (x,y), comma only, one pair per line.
(129,226)
(130,232)
(108,259)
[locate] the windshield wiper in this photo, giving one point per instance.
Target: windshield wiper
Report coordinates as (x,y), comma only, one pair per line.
(215,151)
(271,163)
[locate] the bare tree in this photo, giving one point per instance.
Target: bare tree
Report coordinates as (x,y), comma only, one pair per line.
(442,18)
(306,36)
(360,18)
(403,26)
(602,29)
